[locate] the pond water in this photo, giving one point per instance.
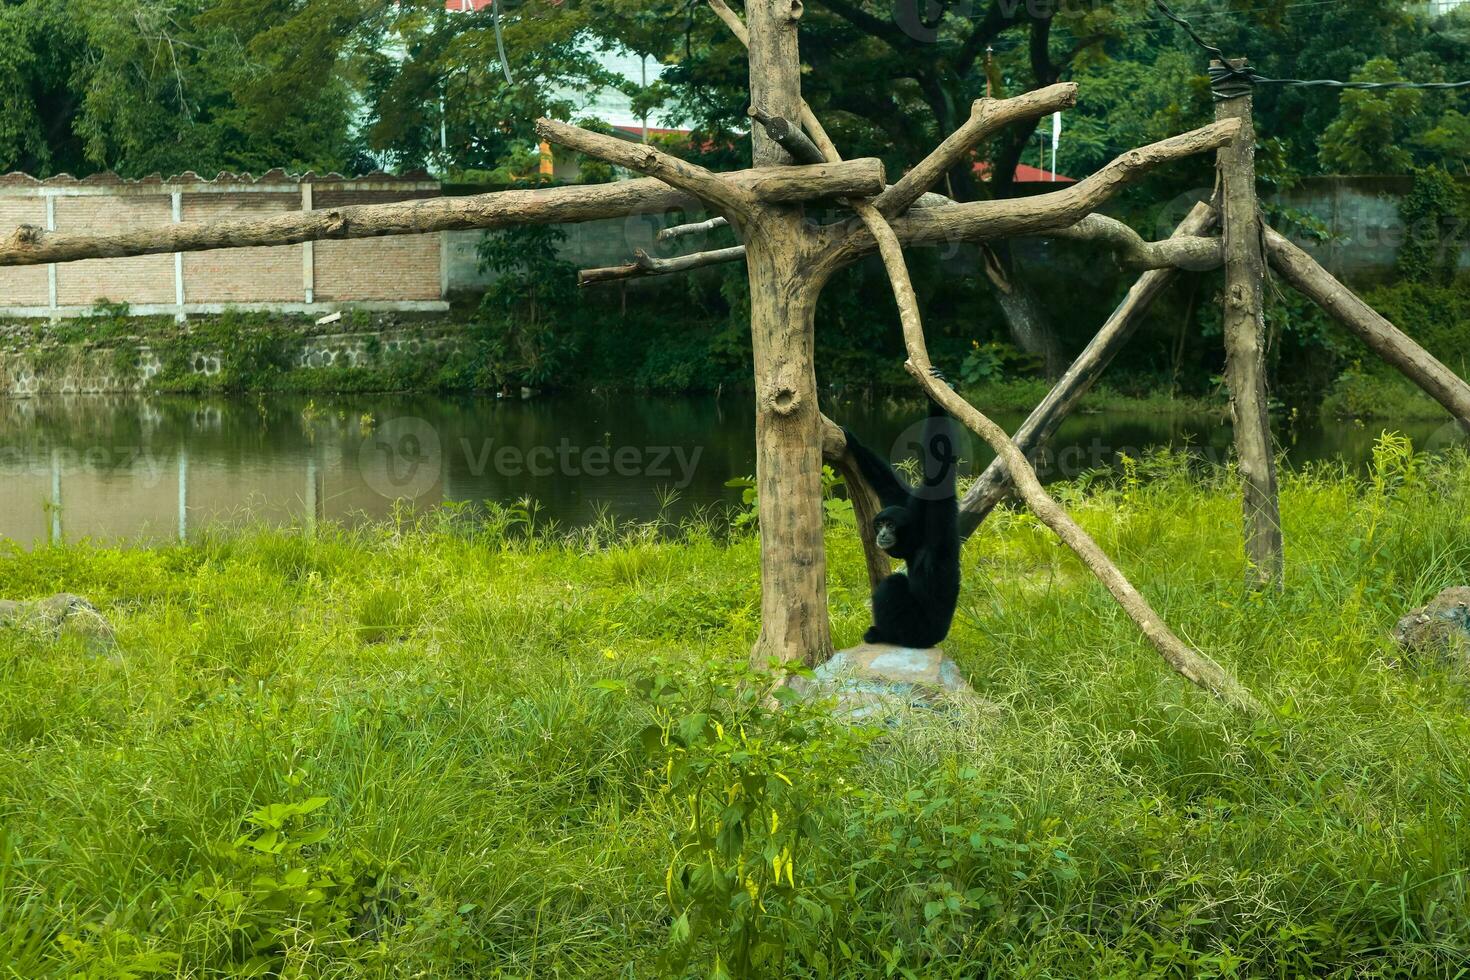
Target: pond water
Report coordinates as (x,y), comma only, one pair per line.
(148,469)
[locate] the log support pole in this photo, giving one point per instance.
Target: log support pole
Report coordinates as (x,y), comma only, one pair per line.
(1245,338)
(788,444)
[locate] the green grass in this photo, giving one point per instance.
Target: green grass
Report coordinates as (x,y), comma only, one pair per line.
(1024,394)
(424,749)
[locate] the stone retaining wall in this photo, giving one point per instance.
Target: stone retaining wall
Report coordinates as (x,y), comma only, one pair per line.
(129,367)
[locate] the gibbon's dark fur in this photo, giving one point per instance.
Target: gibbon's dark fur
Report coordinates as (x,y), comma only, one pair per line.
(914,608)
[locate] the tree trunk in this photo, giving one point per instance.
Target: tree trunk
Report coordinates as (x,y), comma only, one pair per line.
(788,444)
(1027,322)
(1245,345)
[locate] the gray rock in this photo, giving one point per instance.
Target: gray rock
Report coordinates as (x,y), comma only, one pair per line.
(1439,630)
(876,681)
(62,614)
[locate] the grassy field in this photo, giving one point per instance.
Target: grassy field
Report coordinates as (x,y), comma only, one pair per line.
(448,748)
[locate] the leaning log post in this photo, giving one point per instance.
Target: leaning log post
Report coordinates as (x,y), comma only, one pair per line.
(1189,663)
(1245,335)
(1371,327)
(994,485)
(865,502)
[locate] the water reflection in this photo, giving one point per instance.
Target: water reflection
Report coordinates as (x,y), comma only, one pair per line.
(150,469)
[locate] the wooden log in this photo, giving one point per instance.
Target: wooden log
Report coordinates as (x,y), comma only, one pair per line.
(994,484)
(1192,252)
(976,221)
(774,185)
(987,116)
(30,245)
(693,228)
(1186,661)
(865,503)
(1369,326)
(864,500)
(783,297)
(644,265)
(1245,344)
(928,200)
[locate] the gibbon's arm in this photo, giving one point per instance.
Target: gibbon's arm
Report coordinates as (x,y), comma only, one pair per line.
(941,475)
(885,483)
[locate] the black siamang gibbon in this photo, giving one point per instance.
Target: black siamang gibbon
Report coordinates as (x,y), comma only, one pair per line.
(920,526)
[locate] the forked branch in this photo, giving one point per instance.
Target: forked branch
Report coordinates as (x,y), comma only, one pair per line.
(861,178)
(989,220)
(644,265)
(1188,662)
(987,116)
(1192,252)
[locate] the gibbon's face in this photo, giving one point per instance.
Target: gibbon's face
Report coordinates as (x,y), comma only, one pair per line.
(887,534)
(891,531)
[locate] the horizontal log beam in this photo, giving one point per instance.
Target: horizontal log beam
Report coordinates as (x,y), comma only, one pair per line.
(779,185)
(31,245)
(1195,253)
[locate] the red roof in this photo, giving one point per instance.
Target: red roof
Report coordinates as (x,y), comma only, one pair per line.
(1025,174)
(471,5)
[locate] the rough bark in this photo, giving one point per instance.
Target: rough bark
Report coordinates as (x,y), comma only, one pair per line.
(1178,251)
(1245,346)
(1196,253)
(773,185)
(1026,321)
(994,484)
(1369,326)
(783,293)
(1188,662)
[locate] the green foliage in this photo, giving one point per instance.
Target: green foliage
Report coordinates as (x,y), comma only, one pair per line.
(837,511)
(1438,317)
(995,361)
(1367,134)
(280,888)
(492,807)
(148,86)
(1435,215)
(525,308)
(744,878)
(254,352)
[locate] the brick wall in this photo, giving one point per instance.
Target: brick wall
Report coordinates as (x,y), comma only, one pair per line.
(141,280)
(399,272)
(243,275)
(400,267)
